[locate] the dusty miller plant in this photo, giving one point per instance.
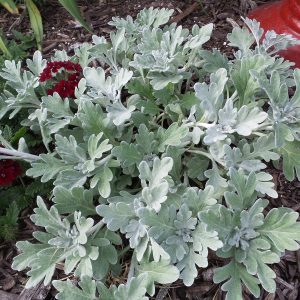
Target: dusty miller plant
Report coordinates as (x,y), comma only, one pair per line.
(161,157)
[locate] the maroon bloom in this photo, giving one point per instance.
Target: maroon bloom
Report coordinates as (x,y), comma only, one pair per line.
(64,77)
(9,171)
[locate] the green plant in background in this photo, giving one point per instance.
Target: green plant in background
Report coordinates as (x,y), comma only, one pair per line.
(36,18)
(163,151)
(20,193)
(13,198)
(16,48)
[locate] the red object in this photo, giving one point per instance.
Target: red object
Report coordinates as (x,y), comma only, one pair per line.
(9,171)
(64,87)
(282,17)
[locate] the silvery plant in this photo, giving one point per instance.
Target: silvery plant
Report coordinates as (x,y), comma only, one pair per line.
(159,159)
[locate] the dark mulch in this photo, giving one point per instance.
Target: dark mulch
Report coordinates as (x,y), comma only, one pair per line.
(62,32)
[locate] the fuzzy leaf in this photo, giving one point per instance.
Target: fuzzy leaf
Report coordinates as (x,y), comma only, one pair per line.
(67,290)
(116,216)
(134,289)
(161,272)
(291,160)
(156,191)
(69,201)
(171,136)
(241,38)
(211,97)
(235,274)
(48,167)
(281,229)
(128,154)
(197,255)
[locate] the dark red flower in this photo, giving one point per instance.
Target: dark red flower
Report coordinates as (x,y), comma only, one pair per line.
(71,72)
(9,171)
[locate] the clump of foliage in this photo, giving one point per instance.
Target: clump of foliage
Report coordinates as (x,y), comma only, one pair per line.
(13,194)
(14,199)
(15,48)
(16,193)
(35,16)
(163,151)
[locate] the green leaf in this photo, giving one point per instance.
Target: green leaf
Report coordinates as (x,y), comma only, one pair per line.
(57,106)
(102,180)
(199,200)
(162,223)
(72,7)
(281,229)
(161,80)
(11,215)
(10,6)
(96,150)
(92,118)
(70,179)
(118,113)
(48,167)
(146,139)
(68,291)
(27,255)
(196,167)
(154,17)
(219,219)
(173,136)
(135,289)
(198,252)
(156,191)
(50,219)
(116,216)
(69,201)
(108,256)
(216,180)
(44,265)
(35,21)
(249,120)
(245,85)
(211,96)
(257,257)
(161,272)
(127,154)
(214,60)
(69,150)
(235,274)
(244,195)
(3,47)
(241,38)
(291,160)
(200,36)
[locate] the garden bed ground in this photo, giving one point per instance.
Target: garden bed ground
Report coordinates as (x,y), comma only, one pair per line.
(62,32)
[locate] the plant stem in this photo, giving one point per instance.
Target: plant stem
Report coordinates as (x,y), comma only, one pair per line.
(15,154)
(201,153)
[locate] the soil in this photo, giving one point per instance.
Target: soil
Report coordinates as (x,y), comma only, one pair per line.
(62,32)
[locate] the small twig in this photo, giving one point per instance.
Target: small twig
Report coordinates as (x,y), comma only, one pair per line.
(286,284)
(50,47)
(18,21)
(162,293)
(185,13)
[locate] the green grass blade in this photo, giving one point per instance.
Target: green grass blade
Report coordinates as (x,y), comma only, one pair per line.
(4,49)
(72,7)
(10,6)
(35,21)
